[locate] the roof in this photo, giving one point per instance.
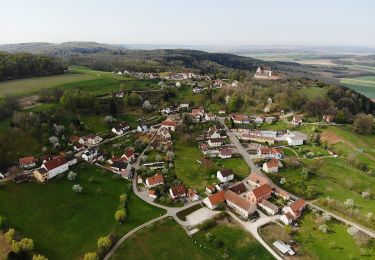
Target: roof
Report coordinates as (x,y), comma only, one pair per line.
(152,192)
(217,140)
(297,118)
(129,152)
(226,152)
(226,172)
(196,111)
(238,188)
(262,190)
(238,200)
(55,162)
(272,163)
(269,205)
(119,164)
(178,190)
(269,151)
(298,205)
(27,160)
(258,178)
(42,170)
(281,192)
(74,139)
(191,193)
(217,198)
(157,178)
(240,117)
(169,123)
(211,187)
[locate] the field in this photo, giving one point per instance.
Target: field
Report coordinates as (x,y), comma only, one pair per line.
(313,244)
(29,85)
(53,215)
(364,85)
(167,240)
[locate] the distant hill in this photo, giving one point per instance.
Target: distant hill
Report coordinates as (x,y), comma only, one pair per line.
(117,57)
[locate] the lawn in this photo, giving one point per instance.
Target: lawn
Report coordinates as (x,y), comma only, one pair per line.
(63,224)
(238,165)
(237,243)
(163,240)
(30,85)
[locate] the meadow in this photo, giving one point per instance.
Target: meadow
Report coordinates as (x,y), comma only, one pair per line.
(53,215)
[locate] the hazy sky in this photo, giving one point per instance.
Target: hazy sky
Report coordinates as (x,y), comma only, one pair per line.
(192,22)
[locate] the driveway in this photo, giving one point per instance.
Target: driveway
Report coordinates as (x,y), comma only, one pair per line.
(199,216)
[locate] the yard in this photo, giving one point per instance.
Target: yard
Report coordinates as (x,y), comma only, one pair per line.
(58,219)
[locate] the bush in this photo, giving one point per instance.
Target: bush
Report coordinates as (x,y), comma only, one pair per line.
(104,244)
(218,243)
(10,235)
(91,256)
(77,188)
(72,176)
(120,215)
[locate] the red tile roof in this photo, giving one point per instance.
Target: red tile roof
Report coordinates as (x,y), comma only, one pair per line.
(178,190)
(238,188)
(157,178)
(226,172)
(226,152)
(169,123)
(258,179)
(55,162)
(273,163)
(238,200)
(217,198)
(262,190)
(298,205)
(129,152)
(27,160)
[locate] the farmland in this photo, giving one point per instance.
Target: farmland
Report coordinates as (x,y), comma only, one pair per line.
(364,85)
(54,215)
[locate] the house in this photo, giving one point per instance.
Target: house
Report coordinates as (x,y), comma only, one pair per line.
(90,154)
(209,117)
(197,114)
(142,129)
(155,180)
(258,120)
(257,180)
(240,119)
(293,211)
(272,166)
(169,124)
(129,155)
(328,118)
(192,195)
(225,175)
(75,140)
(178,191)
(78,147)
(215,142)
(238,188)
(222,112)
(258,137)
(152,193)
(269,153)
(281,193)
(27,162)
(260,193)
(240,205)
(297,120)
(225,153)
(270,119)
(269,207)
(120,128)
(50,169)
(120,166)
(211,189)
(213,201)
(93,139)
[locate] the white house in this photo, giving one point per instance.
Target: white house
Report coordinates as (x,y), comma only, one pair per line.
(215,142)
(269,207)
(294,141)
(225,175)
(169,124)
(120,128)
(155,180)
(93,139)
(272,166)
(90,154)
(56,166)
(225,153)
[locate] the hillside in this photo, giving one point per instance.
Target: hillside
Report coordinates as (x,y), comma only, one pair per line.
(114,57)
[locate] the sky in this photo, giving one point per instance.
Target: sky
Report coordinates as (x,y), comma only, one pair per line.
(190,22)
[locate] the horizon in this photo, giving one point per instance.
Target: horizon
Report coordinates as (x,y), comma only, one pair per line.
(208,23)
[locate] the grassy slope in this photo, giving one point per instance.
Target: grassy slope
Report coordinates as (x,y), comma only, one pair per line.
(29,85)
(64,224)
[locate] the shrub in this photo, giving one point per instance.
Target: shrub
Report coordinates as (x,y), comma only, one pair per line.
(77,188)
(104,243)
(72,176)
(91,256)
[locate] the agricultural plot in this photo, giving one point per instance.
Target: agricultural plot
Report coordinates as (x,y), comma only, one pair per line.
(364,85)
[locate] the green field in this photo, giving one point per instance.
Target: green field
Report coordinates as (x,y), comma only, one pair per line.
(30,85)
(64,224)
(364,85)
(313,244)
(167,240)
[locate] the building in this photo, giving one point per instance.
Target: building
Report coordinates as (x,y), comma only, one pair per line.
(240,205)
(328,118)
(152,193)
(129,155)
(213,201)
(225,153)
(265,73)
(164,132)
(272,166)
(215,142)
(269,207)
(211,189)
(192,195)
(225,175)
(120,128)
(78,147)
(93,139)
(90,154)
(260,193)
(155,180)
(297,120)
(281,193)
(52,168)
(269,153)
(169,124)
(178,191)
(257,180)
(238,188)
(120,166)
(240,119)
(293,211)
(27,162)
(283,248)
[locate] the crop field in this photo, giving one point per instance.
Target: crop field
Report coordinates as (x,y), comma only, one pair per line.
(30,85)
(58,219)
(364,85)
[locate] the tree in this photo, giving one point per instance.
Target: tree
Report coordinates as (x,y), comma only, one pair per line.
(158,157)
(77,188)
(91,256)
(26,244)
(349,203)
(147,106)
(120,215)
(104,244)
(9,235)
(363,124)
(123,198)
(39,257)
(323,228)
(72,176)
(134,99)
(170,156)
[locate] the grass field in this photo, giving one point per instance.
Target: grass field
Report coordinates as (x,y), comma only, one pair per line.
(167,240)
(29,85)
(364,85)
(63,224)
(238,165)
(313,244)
